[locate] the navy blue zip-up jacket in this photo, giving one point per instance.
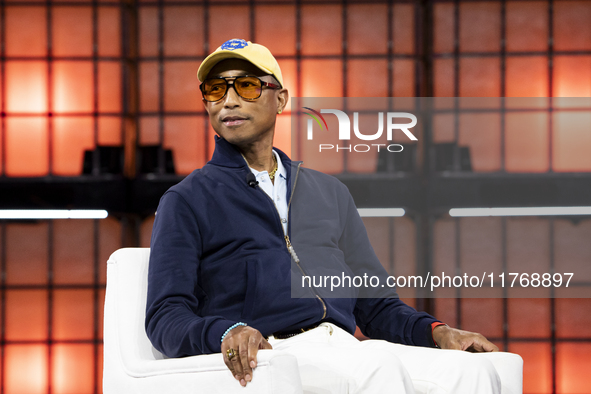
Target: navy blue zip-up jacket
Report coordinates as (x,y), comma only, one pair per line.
(219,256)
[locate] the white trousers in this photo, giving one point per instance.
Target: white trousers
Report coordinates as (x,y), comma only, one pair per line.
(331,360)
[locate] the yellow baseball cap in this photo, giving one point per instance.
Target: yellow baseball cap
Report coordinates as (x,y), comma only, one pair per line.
(256,54)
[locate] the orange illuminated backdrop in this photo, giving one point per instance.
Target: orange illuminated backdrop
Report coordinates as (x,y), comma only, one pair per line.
(66,87)
(56,109)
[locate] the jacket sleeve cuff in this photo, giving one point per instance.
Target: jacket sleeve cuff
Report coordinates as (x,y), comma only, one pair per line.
(423,334)
(213,336)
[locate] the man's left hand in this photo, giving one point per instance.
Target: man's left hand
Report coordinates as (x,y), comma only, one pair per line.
(452,338)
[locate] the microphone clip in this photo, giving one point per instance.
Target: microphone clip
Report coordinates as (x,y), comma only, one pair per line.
(251,180)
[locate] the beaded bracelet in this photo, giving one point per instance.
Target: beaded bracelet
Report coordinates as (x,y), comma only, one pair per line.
(233,326)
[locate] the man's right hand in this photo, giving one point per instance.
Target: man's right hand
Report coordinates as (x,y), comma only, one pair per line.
(246,342)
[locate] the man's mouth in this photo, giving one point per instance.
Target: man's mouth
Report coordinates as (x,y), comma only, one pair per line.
(233,120)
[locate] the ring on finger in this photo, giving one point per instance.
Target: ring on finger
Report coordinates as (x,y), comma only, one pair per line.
(231,353)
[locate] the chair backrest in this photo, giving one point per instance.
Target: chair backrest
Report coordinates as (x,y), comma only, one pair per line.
(125,339)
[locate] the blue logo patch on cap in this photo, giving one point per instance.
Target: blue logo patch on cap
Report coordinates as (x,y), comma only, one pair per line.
(230,45)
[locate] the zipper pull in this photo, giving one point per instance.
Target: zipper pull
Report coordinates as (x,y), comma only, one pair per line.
(292,252)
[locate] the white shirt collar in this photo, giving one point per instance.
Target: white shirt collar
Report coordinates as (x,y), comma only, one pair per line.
(280,168)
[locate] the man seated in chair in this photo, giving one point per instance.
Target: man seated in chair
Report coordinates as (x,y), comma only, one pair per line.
(224,255)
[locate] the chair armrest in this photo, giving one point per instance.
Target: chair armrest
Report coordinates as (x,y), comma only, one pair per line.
(203,363)
(509,366)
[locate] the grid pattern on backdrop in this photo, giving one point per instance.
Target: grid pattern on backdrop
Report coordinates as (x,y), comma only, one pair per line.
(74,75)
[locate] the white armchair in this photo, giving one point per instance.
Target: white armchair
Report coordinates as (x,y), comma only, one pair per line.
(133,365)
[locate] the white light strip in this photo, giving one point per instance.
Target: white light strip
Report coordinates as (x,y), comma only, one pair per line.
(523,211)
(380,212)
(53,214)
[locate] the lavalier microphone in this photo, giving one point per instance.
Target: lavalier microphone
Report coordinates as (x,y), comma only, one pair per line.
(251,180)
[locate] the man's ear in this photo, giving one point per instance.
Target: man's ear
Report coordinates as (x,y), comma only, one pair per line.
(282,98)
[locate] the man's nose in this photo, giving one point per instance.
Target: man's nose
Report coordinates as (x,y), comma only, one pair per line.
(232,100)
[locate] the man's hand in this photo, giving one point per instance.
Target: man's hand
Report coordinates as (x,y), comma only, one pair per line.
(452,338)
(246,342)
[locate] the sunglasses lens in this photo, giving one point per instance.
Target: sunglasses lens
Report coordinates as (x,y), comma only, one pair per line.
(214,89)
(248,87)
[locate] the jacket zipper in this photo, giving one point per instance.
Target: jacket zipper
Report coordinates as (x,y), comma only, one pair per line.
(294,256)
(290,248)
